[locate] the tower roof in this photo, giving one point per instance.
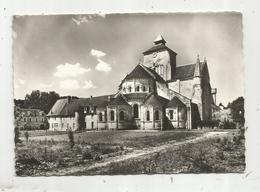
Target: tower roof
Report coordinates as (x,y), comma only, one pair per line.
(159,39)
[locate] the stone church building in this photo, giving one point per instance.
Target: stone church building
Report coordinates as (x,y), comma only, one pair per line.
(157,94)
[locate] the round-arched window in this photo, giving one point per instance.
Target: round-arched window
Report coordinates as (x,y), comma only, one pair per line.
(136,111)
(156,115)
(148,116)
(121,116)
(112,115)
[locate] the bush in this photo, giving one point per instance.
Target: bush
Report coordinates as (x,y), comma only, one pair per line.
(210,124)
(227,125)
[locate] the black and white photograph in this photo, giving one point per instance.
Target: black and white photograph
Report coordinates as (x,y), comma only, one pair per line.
(128,94)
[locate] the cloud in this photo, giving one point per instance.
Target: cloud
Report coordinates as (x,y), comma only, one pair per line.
(88,85)
(42,85)
(70,70)
(103,66)
(97,53)
(69,84)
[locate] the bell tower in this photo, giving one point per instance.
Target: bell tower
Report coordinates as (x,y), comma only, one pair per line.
(160,58)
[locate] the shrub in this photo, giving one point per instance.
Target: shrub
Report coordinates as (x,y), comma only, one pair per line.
(210,124)
(227,125)
(86,154)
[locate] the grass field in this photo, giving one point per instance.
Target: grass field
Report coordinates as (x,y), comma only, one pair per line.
(42,154)
(214,155)
(136,139)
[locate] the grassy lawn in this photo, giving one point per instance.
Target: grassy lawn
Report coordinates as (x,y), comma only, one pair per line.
(214,155)
(42,154)
(135,139)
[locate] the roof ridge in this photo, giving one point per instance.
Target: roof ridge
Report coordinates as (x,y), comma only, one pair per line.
(145,68)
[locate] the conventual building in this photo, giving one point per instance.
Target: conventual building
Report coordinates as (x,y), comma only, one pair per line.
(157,94)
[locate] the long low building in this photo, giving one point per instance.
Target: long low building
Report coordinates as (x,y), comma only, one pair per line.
(157,94)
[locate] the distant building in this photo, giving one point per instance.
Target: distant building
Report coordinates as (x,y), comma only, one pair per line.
(30,119)
(156,94)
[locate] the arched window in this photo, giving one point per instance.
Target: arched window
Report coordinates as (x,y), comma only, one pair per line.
(121,116)
(149,89)
(171,114)
(129,89)
(144,88)
(156,114)
(137,88)
(100,117)
(148,116)
(112,115)
(136,111)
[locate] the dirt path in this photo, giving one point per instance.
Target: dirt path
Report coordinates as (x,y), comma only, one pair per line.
(134,154)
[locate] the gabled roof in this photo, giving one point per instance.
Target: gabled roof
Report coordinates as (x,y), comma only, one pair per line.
(155,100)
(143,72)
(69,108)
(58,107)
(138,73)
(175,102)
(119,100)
(186,71)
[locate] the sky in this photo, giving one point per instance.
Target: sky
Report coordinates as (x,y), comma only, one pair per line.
(89,55)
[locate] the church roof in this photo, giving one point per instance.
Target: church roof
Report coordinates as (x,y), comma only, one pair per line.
(175,102)
(143,72)
(186,71)
(159,39)
(155,100)
(158,47)
(119,100)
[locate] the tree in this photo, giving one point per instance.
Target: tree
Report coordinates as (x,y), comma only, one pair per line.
(71,138)
(41,100)
(237,110)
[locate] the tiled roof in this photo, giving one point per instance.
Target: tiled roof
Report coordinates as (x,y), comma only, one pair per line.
(157,48)
(138,73)
(186,71)
(154,100)
(141,72)
(119,100)
(155,74)
(58,107)
(175,102)
(69,109)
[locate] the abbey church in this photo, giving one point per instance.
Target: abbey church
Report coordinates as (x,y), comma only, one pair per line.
(158,94)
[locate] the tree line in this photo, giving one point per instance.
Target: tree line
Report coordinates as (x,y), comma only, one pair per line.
(38,100)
